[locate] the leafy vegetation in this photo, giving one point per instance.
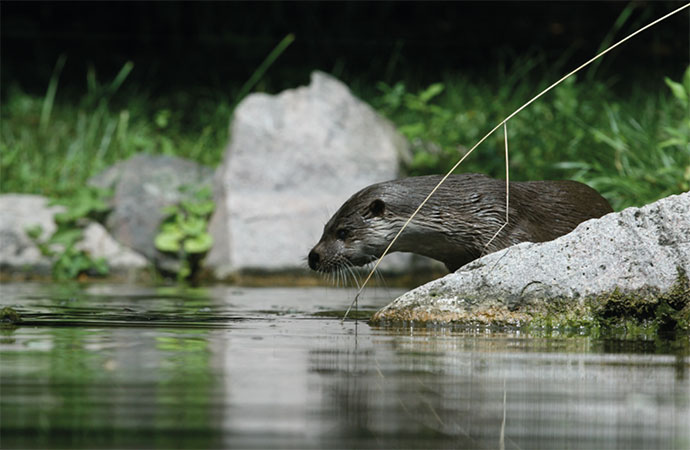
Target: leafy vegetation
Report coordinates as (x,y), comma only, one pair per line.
(633,149)
(62,246)
(184,230)
(627,139)
(52,145)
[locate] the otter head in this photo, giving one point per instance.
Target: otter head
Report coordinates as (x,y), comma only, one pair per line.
(356,235)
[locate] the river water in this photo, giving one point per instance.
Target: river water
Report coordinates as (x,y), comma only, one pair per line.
(109,366)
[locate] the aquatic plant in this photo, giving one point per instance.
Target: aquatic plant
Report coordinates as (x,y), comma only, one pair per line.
(184,233)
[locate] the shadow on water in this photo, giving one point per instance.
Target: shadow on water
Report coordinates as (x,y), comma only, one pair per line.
(225,367)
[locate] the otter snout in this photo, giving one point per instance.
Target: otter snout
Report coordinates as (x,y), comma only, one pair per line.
(314,259)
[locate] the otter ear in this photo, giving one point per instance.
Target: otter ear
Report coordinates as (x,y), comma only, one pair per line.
(377,207)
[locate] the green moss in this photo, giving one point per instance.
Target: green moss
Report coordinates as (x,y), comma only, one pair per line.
(641,314)
(664,312)
(9,315)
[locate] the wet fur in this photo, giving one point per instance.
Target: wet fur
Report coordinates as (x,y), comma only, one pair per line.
(456,223)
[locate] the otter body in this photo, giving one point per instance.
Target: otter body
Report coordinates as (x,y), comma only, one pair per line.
(457,222)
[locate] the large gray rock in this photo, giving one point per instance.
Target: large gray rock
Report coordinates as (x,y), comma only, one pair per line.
(294,158)
(143,185)
(639,251)
(19,254)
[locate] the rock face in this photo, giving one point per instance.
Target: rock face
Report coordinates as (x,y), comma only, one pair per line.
(293,160)
(640,252)
(18,253)
(143,185)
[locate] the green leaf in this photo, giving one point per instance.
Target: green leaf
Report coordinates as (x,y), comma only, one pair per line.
(170,227)
(67,237)
(431,92)
(74,212)
(424,161)
(162,118)
(169,240)
(413,130)
(100,265)
(170,210)
(63,218)
(198,244)
(45,249)
(98,205)
(205,193)
(192,226)
(202,209)
(672,142)
(678,90)
(34,232)
(184,271)
(70,264)
(686,79)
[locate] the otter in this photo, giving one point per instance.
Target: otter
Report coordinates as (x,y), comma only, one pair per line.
(457,222)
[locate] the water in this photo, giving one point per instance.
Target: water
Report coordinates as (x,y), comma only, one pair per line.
(228,367)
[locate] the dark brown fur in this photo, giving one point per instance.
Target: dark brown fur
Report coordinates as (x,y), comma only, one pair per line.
(456,223)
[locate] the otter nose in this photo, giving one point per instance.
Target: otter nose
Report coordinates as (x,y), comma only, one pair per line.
(314,259)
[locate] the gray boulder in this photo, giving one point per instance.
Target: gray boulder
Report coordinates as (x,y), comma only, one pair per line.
(639,253)
(19,254)
(294,158)
(143,185)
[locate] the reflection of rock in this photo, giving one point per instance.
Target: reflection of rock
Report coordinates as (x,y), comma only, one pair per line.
(638,253)
(18,253)
(143,185)
(293,160)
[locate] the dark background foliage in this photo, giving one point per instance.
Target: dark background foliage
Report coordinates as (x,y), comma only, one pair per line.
(86,84)
(219,44)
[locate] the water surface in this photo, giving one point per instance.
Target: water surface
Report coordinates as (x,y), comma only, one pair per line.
(224,367)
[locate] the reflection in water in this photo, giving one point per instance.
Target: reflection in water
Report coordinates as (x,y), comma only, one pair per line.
(133,367)
(450,388)
(95,387)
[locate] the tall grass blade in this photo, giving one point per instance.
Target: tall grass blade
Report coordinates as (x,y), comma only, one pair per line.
(120,77)
(617,25)
(91,81)
(263,67)
(49,99)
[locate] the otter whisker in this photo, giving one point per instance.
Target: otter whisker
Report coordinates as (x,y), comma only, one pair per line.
(360,273)
(379,277)
(349,267)
(343,276)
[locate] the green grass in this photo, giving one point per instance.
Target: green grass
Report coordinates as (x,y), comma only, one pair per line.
(633,147)
(51,145)
(628,140)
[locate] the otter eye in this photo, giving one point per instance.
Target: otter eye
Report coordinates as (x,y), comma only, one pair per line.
(342,234)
